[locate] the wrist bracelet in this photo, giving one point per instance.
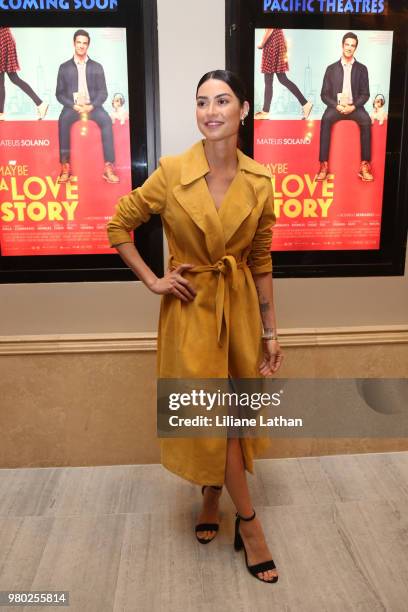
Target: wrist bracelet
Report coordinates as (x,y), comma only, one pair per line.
(269,336)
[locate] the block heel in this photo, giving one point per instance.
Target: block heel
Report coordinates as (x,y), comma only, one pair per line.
(239,545)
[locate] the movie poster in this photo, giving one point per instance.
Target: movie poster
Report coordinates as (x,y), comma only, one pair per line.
(64,138)
(320,125)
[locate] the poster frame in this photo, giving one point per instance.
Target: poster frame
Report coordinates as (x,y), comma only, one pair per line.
(139,17)
(242,17)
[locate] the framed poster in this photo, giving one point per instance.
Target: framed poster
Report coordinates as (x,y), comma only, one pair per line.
(328,91)
(76,133)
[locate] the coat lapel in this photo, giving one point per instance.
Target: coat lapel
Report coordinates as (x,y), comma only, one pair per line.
(193,195)
(241,197)
(339,80)
(353,80)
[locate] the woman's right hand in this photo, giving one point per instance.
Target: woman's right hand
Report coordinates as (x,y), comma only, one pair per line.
(174,283)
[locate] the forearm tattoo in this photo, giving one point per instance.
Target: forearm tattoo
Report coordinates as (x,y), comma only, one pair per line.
(264,304)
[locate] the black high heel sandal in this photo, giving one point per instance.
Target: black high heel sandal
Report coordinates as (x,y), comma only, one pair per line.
(207,526)
(239,544)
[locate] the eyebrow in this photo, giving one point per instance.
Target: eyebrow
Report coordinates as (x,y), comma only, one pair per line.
(219,96)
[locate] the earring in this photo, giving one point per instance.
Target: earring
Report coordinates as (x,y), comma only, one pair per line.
(243,119)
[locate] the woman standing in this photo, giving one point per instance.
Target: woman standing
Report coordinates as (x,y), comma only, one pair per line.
(275,61)
(216,206)
(9,64)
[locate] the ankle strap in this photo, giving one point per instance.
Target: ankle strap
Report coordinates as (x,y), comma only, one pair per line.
(250,518)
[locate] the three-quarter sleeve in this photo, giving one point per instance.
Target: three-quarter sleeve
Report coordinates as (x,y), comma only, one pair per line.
(259,258)
(135,208)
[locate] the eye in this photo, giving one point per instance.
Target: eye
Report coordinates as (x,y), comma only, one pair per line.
(223,101)
(200,103)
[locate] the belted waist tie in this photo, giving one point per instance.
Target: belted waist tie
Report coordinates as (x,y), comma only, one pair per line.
(226,266)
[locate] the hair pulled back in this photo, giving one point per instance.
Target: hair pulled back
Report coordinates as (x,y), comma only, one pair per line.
(228,77)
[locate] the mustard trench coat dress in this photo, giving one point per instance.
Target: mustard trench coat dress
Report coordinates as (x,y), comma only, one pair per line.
(219,332)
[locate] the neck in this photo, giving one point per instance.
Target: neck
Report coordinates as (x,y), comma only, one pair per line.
(222,154)
(348,59)
(80,59)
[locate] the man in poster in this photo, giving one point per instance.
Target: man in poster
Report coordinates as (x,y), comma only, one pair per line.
(345,90)
(81,89)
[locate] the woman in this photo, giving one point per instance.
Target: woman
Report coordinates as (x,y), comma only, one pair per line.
(216,206)
(275,61)
(9,64)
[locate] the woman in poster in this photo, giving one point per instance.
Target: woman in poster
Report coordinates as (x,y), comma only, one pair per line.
(216,206)
(275,61)
(9,64)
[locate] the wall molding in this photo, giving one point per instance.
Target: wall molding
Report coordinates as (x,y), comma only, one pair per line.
(78,343)
(343,336)
(147,341)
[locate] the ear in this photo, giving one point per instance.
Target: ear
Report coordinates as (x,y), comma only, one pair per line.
(245,108)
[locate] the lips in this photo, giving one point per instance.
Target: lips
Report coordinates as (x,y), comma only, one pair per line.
(213,123)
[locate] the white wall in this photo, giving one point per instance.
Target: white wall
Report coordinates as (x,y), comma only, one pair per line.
(191,42)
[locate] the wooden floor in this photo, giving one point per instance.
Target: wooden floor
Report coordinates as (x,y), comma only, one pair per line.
(121,538)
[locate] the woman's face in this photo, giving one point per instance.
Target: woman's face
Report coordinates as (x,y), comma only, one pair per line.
(218,110)
(378,103)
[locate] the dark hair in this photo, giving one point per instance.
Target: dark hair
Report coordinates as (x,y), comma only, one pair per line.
(230,78)
(350,35)
(82,33)
(382,99)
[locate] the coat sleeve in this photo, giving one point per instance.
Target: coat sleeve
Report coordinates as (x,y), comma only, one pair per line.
(61,92)
(259,258)
(135,208)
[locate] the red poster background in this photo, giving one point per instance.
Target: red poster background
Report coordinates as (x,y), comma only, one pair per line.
(306,218)
(29,167)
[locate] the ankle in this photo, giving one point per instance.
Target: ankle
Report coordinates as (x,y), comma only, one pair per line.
(252,530)
(250,526)
(247,515)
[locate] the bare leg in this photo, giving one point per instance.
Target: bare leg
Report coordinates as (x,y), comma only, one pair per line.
(251,531)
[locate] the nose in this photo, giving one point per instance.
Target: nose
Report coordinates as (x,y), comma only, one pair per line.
(211,110)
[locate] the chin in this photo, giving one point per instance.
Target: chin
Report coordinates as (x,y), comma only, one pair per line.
(217,135)
(214,137)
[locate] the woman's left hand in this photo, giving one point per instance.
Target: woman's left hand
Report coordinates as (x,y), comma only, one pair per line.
(272,357)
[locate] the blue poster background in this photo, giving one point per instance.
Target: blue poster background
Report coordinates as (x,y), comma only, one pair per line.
(309,54)
(41,51)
